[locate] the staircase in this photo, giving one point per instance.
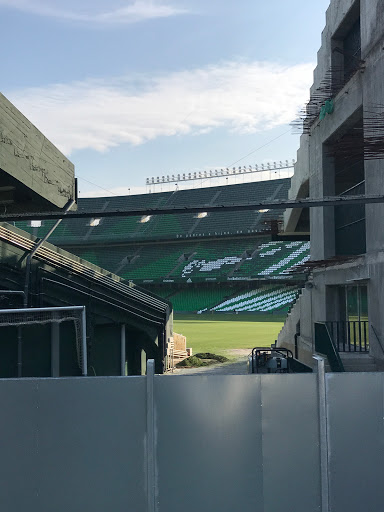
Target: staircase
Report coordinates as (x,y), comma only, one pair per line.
(358,362)
(293,316)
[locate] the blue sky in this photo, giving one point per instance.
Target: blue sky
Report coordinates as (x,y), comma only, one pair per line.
(132,89)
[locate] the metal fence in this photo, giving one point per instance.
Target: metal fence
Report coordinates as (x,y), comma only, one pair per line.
(350,336)
(260,443)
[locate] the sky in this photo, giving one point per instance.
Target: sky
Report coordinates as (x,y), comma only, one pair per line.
(130,89)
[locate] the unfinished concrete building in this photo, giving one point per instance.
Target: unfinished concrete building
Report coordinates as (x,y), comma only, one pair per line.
(340,311)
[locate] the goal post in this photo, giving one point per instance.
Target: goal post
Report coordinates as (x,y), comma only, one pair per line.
(50,315)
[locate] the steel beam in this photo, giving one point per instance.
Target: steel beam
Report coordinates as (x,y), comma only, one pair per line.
(259,205)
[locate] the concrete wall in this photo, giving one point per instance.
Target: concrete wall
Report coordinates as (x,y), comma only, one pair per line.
(300,313)
(30,159)
(362,92)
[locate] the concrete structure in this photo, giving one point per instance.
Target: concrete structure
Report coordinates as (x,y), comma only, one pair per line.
(333,159)
(35,175)
(126,325)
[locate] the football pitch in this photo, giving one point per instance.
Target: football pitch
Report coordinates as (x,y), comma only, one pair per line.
(220,333)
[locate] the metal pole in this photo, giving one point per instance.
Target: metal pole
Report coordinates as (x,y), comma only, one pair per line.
(11,292)
(234,207)
(43,310)
(151,475)
(19,352)
(34,250)
(323,428)
(122,351)
(84,342)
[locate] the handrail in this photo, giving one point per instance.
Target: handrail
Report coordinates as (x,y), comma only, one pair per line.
(349,335)
(325,345)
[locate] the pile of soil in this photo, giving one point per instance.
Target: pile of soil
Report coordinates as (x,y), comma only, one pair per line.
(201,359)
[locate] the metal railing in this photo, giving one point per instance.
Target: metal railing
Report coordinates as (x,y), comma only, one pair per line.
(350,336)
(325,345)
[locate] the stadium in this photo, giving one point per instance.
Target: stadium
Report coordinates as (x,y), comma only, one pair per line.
(93,292)
(202,263)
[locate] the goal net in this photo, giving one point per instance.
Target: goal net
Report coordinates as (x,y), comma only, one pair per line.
(42,316)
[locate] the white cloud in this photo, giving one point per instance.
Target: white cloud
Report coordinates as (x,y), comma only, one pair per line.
(96,13)
(241,97)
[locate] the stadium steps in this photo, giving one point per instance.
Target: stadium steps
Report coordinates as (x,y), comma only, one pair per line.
(212,202)
(292,313)
(174,269)
(269,198)
(357,363)
(182,262)
(238,265)
(124,262)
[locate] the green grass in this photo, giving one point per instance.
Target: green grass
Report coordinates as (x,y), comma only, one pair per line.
(219,333)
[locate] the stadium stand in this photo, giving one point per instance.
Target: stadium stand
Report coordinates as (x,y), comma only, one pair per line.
(123,229)
(275,259)
(197,298)
(266,298)
(183,257)
(206,260)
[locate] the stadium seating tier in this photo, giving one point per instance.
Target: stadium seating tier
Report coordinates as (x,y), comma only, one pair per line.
(188,225)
